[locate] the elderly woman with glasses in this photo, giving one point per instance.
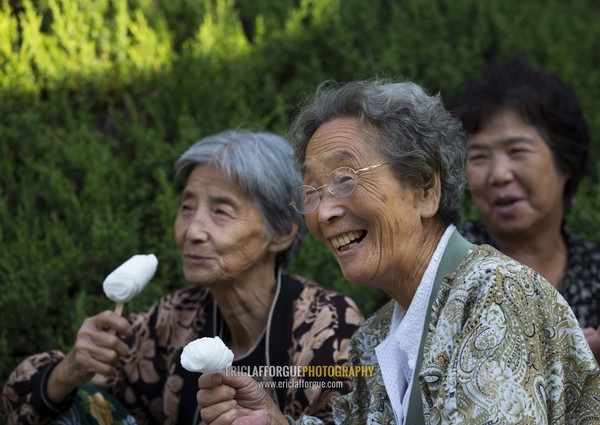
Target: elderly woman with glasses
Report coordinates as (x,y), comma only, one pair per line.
(236,234)
(469,336)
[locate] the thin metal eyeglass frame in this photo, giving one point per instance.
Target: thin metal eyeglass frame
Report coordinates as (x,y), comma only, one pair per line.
(318,189)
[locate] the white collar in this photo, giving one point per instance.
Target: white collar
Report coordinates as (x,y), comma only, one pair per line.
(411,322)
(397,353)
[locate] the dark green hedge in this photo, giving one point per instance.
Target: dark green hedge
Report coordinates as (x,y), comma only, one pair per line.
(98,98)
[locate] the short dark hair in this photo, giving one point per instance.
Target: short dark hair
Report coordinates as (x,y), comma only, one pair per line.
(542,100)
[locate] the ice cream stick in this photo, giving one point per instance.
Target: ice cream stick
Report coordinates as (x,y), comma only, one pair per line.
(119,308)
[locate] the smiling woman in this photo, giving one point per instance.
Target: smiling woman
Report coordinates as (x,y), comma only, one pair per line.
(235,232)
(470,335)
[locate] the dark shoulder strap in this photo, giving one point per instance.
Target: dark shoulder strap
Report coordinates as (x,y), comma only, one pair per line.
(455,251)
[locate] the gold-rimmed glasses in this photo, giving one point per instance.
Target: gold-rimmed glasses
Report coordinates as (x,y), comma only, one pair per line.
(341,182)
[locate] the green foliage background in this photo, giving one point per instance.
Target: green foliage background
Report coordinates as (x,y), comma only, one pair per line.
(98,98)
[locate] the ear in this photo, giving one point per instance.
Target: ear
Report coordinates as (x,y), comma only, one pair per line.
(430,197)
(282,242)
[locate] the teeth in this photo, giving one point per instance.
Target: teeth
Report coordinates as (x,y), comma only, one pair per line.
(345,239)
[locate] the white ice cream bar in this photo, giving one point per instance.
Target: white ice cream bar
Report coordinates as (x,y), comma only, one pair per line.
(206,355)
(128,280)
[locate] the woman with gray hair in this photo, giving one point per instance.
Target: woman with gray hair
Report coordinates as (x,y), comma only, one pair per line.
(236,233)
(469,335)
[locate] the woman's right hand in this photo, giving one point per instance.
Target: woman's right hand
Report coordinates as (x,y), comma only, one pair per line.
(235,400)
(97,350)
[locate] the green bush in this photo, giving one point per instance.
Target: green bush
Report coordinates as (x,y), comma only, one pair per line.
(97,100)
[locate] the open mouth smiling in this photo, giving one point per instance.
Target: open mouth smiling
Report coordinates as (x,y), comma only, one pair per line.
(348,240)
(505,202)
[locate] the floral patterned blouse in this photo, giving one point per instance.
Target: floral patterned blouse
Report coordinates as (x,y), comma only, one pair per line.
(581,285)
(310,326)
(502,347)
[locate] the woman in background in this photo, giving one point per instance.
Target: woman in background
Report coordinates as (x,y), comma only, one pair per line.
(527,150)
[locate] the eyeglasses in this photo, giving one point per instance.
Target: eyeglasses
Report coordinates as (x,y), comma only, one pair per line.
(341,182)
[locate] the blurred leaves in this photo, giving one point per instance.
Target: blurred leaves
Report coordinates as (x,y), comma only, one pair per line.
(98,99)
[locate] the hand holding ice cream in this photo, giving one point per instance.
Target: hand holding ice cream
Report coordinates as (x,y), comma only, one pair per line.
(207,355)
(128,280)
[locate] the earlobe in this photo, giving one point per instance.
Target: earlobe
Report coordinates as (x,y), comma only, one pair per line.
(430,202)
(283,242)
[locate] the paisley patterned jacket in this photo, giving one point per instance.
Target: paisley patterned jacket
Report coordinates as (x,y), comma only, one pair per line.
(581,284)
(502,347)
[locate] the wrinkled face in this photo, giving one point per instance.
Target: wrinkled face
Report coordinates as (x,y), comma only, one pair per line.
(514,181)
(373,232)
(219,231)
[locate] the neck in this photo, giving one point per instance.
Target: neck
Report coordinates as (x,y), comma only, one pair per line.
(407,281)
(546,253)
(245,310)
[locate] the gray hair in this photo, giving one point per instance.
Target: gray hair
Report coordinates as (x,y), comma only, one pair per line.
(412,129)
(262,165)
